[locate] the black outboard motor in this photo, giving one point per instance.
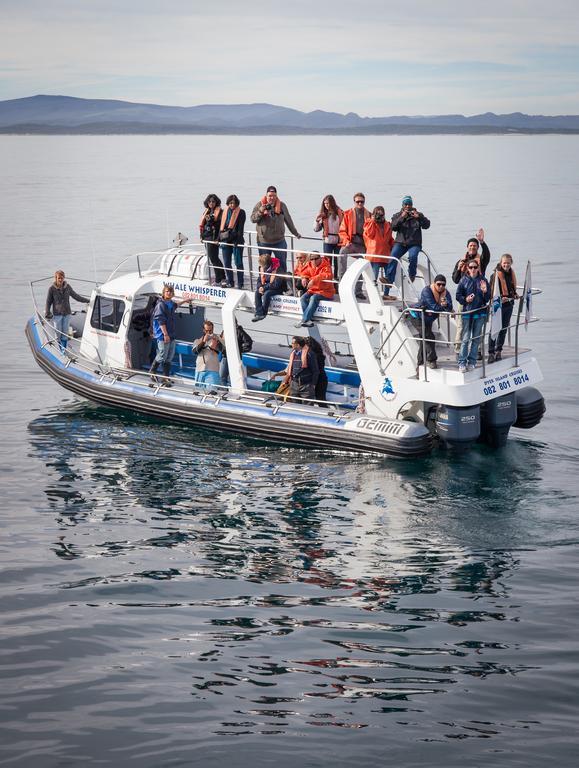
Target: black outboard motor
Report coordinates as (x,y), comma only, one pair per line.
(530,408)
(458,426)
(497,417)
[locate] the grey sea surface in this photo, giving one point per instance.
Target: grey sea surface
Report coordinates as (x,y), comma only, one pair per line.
(174,597)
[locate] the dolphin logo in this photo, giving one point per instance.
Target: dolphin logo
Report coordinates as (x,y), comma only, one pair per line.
(387,388)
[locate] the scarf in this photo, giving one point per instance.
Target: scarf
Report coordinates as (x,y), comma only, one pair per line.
(232,220)
(438,295)
(216,213)
(504,288)
(277,208)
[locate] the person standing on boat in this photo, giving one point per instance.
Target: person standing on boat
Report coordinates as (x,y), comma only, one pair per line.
(352,236)
(460,270)
(58,306)
(164,332)
(317,280)
(271,216)
(208,348)
(231,238)
(329,220)
(433,300)
(322,382)
(473,293)
(505,274)
(408,224)
(209,230)
(268,285)
(378,242)
(302,370)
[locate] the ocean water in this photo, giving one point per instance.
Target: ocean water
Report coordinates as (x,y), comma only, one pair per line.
(174,597)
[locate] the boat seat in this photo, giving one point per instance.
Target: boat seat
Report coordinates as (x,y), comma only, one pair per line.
(266,363)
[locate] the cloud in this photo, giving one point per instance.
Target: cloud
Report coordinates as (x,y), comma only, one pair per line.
(378,58)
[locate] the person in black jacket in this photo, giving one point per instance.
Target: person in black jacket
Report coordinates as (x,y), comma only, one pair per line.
(322,382)
(408,224)
(58,306)
(209,231)
(232,240)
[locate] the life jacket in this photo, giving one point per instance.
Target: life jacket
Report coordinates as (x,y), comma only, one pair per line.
(232,218)
(321,277)
(277,206)
(348,225)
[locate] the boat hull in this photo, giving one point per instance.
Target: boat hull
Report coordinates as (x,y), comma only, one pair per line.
(261,419)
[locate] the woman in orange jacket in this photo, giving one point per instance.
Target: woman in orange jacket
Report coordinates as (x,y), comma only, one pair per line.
(378,241)
(319,286)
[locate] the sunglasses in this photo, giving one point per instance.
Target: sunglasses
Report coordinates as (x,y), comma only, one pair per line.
(475,267)
(359,202)
(440,285)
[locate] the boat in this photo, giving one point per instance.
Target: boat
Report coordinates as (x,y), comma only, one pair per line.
(378,401)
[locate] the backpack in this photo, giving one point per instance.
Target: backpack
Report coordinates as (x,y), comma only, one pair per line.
(244,340)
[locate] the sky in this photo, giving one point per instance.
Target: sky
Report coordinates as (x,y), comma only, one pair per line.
(411,57)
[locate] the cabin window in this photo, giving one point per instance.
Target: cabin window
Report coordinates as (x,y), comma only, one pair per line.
(107,314)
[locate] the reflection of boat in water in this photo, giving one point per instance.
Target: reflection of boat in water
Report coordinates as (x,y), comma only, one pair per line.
(377,400)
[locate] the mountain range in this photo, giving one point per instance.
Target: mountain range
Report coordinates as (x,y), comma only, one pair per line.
(67,114)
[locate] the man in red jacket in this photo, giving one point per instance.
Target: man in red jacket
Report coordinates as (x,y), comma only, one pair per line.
(317,280)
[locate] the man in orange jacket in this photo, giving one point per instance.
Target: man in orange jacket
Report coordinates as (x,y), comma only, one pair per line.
(352,236)
(317,279)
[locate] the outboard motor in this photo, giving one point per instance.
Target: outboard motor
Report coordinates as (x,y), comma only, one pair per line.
(457,426)
(530,408)
(497,417)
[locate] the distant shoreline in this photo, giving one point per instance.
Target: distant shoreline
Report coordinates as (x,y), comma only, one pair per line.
(132,129)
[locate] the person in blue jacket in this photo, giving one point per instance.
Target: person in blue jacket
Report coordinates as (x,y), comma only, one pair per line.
(433,300)
(164,332)
(473,293)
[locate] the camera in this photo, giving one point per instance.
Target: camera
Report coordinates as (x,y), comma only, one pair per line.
(269,207)
(379,217)
(211,217)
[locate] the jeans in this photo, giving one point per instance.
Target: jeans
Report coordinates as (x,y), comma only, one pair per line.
(309,302)
(263,300)
(212,250)
(398,252)
(165,352)
(333,251)
(61,323)
(376,267)
(472,325)
(207,379)
(281,255)
(390,274)
(496,345)
(235,251)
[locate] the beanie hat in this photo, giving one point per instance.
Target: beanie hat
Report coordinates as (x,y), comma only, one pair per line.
(407,200)
(440,279)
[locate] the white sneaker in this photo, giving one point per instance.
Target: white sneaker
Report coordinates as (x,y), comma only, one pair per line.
(471,367)
(462,368)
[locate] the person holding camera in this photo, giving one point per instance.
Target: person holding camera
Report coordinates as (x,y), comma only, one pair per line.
(208,348)
(378,242)
(408,224)
(271,216)
(209,230)
(232,240)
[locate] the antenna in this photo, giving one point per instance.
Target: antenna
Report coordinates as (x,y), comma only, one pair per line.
(90,237)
